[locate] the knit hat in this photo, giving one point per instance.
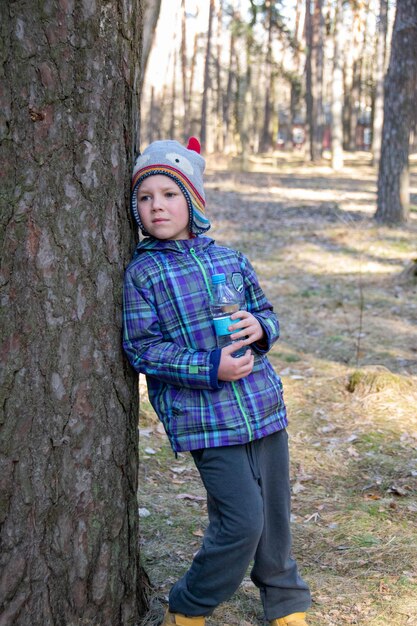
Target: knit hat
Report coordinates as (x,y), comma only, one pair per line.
(185,166)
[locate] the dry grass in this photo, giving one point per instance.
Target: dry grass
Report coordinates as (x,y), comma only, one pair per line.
(348,359)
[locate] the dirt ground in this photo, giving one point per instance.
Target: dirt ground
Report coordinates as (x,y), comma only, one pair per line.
(348,359)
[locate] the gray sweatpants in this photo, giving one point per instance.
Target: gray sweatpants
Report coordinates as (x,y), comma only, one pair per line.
(248,496)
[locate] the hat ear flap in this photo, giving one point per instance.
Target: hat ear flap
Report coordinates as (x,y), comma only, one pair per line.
(194,144)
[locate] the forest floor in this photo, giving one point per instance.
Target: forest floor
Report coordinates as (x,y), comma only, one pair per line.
(348,359)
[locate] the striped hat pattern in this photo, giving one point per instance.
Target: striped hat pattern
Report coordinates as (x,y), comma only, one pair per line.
(185,166)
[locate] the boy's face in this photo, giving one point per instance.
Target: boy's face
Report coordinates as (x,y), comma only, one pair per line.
(163,208)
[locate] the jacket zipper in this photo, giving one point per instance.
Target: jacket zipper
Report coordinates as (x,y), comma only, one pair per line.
(234,386)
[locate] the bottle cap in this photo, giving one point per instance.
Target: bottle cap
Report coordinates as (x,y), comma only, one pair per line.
(218,278)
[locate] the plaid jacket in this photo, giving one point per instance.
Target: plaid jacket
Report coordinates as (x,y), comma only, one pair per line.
(168,335)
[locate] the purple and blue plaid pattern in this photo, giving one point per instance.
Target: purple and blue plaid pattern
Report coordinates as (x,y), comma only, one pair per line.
(169,336)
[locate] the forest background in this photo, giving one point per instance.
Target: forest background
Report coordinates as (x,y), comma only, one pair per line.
(252,77)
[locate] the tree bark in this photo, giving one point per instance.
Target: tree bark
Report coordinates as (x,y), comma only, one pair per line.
(183,53)
(266,136)
(68,130)
(314,77)
(219,87)
(337,90)
(204,106)
(381,45)
(400,91)
(231,76)
(318,64)
(309,77)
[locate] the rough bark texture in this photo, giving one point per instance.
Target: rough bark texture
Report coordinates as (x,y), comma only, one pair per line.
(400,91)
(68,111)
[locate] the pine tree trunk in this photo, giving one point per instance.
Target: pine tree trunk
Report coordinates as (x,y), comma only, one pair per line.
(204,106)
(227,99)
(183,53)
(400,92)
(314,77)
(309,78)
(68,127)
(151,10)
(266,136)
(337,90)
(381,45)
(318,68)
(218,142)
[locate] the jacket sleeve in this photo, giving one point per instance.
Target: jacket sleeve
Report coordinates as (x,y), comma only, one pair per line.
(150,354)
(259,306)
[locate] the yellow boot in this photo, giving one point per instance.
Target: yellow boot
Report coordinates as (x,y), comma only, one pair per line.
(182,620)
(295,619)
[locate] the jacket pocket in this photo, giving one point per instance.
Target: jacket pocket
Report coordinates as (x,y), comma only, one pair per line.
(204,411)
(263,392)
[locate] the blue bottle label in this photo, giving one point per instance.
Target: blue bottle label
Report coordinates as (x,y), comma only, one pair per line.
(221,325)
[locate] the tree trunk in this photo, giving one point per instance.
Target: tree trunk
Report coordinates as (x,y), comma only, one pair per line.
(381,45)
(173,98)
(309,77)
(337,90)
(227,99)
(203,133)
(191,88)
(400,93)
(68,130)
(219,88)
(314,77)
(245,100)
(183,52)
(151,11)
(266,137)
(297,79)
(318,65)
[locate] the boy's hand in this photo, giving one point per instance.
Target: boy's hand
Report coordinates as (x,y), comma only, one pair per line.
(231,368)
(250,330)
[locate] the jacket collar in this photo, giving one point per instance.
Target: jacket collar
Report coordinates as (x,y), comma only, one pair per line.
(150,244)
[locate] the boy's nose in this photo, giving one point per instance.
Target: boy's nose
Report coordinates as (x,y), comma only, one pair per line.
(157,204)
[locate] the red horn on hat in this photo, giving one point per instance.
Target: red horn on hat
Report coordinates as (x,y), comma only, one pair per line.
(194,144)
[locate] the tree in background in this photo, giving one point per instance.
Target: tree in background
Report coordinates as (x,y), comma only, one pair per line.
(337,89)
(314,76)
(380,54)
(269,99)
(203,131)
(399,104)
(68,129)
(151,11)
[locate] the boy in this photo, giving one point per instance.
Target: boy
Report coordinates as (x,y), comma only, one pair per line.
(228,412)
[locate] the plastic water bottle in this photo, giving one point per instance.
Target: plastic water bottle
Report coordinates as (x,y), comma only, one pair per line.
(224,304)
